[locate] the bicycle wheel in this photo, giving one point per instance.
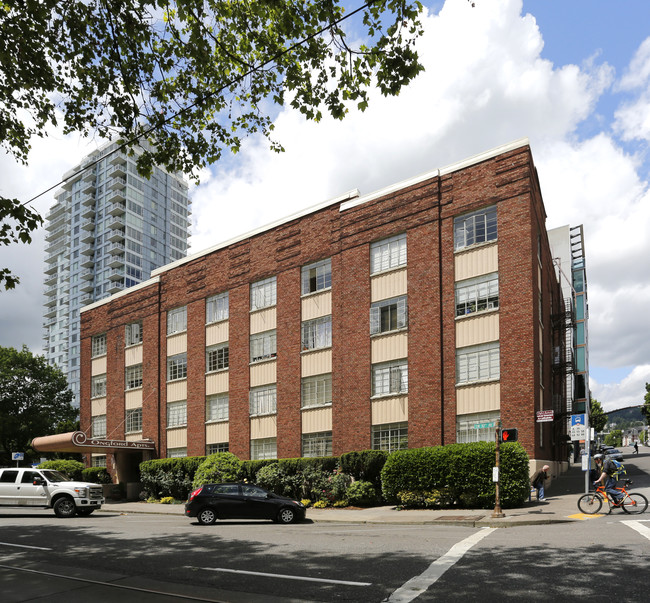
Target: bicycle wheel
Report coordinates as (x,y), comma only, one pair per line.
(590,503)
(635,503)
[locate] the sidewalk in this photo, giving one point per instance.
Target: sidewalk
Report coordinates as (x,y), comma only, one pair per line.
(560,505)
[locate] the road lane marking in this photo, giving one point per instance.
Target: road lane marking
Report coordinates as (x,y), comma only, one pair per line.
(419,584)
(639,527)
(284,576)
(583,516)
(25,546)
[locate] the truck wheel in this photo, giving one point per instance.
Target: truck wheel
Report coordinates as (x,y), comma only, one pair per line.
(84,512)
(64,507)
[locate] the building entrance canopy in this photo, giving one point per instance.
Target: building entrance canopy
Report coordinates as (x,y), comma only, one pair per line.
(78,441)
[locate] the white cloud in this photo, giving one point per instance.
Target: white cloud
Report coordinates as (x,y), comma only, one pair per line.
(628,392)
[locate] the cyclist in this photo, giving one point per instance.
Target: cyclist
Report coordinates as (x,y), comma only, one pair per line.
(607,474)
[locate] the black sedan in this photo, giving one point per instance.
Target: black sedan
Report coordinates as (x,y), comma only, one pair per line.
(241,501)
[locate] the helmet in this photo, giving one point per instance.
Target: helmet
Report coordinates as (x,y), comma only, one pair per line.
(598,457)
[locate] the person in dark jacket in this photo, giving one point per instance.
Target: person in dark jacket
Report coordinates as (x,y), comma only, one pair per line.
(538,481)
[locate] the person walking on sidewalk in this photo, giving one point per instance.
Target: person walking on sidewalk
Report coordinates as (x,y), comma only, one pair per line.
(538,481)
(636,447)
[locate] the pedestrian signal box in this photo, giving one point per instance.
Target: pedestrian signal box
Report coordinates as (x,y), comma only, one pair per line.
(509,435)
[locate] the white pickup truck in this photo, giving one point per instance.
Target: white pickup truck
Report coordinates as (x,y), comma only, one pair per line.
(46,488)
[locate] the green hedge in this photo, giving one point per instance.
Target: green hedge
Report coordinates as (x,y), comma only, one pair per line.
(73,469)
(456,475)
(365,465)
(96,475)
(169,477)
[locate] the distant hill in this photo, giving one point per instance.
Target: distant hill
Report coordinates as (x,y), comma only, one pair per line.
(625,416)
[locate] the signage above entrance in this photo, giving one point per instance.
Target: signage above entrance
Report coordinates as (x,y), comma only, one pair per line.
(78,441)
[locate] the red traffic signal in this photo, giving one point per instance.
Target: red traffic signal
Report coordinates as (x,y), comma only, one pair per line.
(509,435)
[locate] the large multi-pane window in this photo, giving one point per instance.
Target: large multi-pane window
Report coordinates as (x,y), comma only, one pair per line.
(477,294)
(176,453)
(133,333)
(390,378)
(263,294)
(390,436)
(177,367)
(216,308)
(388,315)
(317,444)
(263,346)
(317,333)
(388,254)
(477,227)
(216,407)
(98,426)
(264,448)
(216,357)
(177,320)
(98,386)
(177,413)
(133,420)
(98,346)
(133,376)
(214,448)
(263,400)
(478,363)
(98,460)
(316,390)
(316,277)
(477,427)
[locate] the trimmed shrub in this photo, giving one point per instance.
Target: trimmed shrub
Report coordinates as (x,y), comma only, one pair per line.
(365,465)
(217,468)
(169,477)
(362,494)
(72,469)
(96,475)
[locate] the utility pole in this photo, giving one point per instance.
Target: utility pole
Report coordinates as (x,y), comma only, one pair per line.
(497,507)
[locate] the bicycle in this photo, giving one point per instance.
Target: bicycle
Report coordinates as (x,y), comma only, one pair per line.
(632,502)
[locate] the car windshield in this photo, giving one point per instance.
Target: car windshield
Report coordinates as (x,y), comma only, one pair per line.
(55,476)
(613,451)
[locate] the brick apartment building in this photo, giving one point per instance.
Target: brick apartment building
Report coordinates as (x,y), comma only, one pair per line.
(418,315)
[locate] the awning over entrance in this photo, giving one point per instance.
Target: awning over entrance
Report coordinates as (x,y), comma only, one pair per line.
(77,441)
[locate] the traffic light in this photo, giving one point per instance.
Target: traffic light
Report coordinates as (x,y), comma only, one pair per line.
(509,435)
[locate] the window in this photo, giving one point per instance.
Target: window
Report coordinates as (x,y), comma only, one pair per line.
(316,277)
(98,460)
(217,407)
(133,376)
(98,426)
(133,333)
(317,444)
(388,254)
(390,437)
(263,346)
(264,448)
(477,294)
(177,320)
(390,378)
(478,427)
(8,477)
(217,308)
(474,228)
(98,386)
(98,345)
(177,367)
(216,357)
(317,333)
(177,413)
(176,453)
(477,363)
(263,400)
(214,448)
(316,391)
(133,420)
(388,315)
(263,294)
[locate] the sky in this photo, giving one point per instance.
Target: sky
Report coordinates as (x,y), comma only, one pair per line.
(571,76)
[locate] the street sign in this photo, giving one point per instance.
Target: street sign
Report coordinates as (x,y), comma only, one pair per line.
(578,427)
(484,425)
(544,415)
(17,456)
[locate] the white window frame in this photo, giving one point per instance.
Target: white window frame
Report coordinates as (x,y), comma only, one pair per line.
(390,436)
(98,426)
(388,254)
(217,408)
(217,357)
(263,400)
(479,363)
(98,386)
(218,447)
(317,444)
(177,367)
(389,315)
(316,333)
(316,391)
(133,420)
(263,346)
(316,277)
(476,427)
(133,333)
(99,346)
(177,414)
(217,308)
(98,460)
(133,377)
(477,294)
(177,320)
(475,228)
(263,294)
(177,453)
(390,378)
(264,448)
